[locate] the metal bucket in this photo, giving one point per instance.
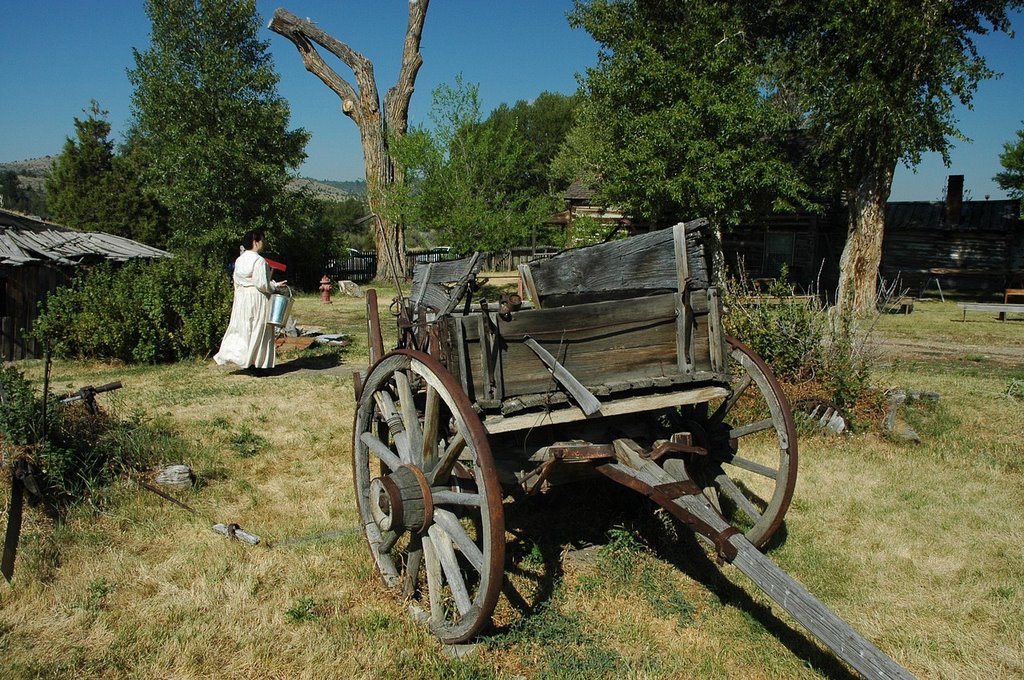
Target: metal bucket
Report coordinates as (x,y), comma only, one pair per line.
(280,308)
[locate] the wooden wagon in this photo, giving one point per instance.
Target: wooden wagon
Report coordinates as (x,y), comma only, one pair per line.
(618,366)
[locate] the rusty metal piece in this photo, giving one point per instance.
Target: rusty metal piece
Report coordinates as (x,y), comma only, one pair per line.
(509,303)
(582,453)
(685,487)
(542,473)
(672,447)
(373,331)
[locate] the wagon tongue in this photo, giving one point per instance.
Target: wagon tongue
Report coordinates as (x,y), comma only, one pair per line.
(685,501)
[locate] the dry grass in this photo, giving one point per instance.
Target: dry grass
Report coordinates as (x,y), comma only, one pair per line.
(918,547)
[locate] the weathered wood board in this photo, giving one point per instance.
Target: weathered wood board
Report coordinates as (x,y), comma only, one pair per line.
(642,265)
(601,343)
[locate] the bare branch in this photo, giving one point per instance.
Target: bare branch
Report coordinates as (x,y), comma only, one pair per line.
(396,101)
(303,33)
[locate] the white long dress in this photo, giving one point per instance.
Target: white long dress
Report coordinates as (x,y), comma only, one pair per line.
(249,340)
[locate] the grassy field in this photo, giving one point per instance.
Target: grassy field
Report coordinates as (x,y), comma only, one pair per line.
(917,546)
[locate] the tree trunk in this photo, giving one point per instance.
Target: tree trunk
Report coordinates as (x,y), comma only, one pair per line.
(362,104)
(862,255)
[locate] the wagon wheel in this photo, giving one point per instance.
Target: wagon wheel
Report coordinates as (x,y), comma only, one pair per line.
(428,494)
(749,472)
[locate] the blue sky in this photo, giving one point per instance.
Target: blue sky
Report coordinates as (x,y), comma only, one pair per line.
(57,55)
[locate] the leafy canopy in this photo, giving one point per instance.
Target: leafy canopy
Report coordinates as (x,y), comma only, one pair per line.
(679,116)
(93,189)
(467,181)
(1011,179)
(210,126)
(879,80)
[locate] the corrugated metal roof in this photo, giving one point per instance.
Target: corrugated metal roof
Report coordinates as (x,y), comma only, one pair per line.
(25,239)
(997,216)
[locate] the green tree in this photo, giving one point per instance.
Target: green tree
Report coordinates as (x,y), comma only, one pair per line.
(879,82)
(210,128)
(92,189)
(465,180)
(1011,179)
(542,126)
(679,118)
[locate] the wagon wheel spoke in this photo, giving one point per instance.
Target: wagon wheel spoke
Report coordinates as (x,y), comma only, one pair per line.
(410,417)
(752,466)
(749,472)
(433,516)
(451,526)
(410,582)
(735,494)
(435,581)
(450,566)
(431,418)
(446,497)
(381,450)
(390,415)
(444,466)
(738,391)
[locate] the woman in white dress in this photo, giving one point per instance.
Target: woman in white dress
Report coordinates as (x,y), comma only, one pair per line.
(249,340)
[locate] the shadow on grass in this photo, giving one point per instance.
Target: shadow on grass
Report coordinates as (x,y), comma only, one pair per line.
(582,514)
(315,362)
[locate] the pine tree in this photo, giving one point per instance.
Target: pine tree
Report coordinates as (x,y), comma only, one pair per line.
(92,189)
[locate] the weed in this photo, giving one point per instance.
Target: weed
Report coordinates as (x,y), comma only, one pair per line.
(375,621)
(247,443)
(1005,592)
(95,593)
(301,611)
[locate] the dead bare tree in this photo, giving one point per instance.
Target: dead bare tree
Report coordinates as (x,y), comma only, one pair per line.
(361,103)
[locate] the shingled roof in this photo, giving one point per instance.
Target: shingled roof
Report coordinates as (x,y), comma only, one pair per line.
(25,239)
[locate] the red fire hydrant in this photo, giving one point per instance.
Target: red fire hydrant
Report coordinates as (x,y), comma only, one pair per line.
(325,290)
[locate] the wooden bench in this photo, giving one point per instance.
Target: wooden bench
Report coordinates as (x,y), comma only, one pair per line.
(990,307)
(1009,293)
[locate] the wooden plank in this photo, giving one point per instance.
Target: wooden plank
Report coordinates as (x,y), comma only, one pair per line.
(716,332)
(684,334)
(633,267)
(598,343)
(681,256)
(526,276)
(497,424)
(990,307)
(587,402)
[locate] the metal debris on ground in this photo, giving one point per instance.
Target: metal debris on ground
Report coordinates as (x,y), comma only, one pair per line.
(235,531)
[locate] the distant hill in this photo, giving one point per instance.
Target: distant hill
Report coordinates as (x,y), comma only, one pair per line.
(330,190)
(32,173)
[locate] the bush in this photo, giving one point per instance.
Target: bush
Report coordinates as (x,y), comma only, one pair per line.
(797,338)
(141,312)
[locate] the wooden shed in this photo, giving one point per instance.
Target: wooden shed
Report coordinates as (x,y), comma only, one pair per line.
(35,258)
(971,247)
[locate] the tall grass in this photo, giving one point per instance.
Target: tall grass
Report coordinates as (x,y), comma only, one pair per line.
(916,546)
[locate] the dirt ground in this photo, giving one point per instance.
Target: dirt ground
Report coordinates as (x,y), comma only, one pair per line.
(903,348)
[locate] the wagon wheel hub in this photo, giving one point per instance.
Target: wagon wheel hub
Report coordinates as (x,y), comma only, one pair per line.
(401,500)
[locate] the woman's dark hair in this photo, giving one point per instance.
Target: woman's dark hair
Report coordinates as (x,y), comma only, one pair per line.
(250,237)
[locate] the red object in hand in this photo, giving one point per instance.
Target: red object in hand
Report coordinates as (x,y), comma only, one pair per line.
(273,264)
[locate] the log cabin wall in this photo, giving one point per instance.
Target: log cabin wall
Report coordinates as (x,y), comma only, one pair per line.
(978,254)
(809,245)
